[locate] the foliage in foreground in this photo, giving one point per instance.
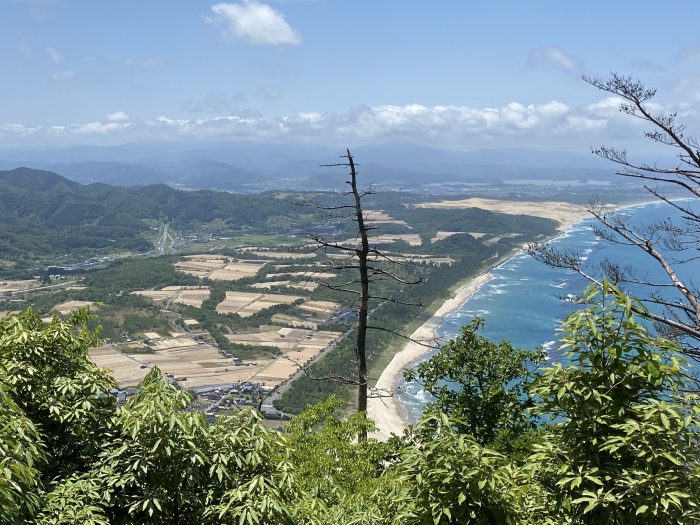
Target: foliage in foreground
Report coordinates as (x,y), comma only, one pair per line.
(481,385)
(617,441)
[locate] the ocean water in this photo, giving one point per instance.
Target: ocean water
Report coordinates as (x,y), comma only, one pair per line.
(524,302)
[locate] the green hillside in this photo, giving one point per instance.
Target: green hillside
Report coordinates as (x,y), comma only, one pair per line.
(44,214)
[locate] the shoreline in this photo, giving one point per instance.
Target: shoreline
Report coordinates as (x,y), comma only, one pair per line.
(388,413)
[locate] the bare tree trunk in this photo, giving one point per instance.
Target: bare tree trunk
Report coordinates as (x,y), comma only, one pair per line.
(362,254)
(371,265)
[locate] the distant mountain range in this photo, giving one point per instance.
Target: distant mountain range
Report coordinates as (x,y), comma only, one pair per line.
(242,166)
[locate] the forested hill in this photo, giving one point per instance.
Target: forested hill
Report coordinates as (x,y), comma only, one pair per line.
(44,213)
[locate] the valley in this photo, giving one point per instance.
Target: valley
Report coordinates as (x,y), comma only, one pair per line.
(241,297)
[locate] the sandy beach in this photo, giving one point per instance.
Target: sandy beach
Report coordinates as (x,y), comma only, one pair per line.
(387,412)
(564,213)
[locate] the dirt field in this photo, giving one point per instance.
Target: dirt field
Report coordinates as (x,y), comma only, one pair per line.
(201,265)
(187,295)
(322,310)
(298,322)
(303,275)
(309,286)
(246,304)
(237,270)
(381,217)
(192,296)
(194,364)
(191,363)
(299,347)
(272,254)
(218,267)
(154,295)
(70,306)
(311,266)
(413,239)
(402,257)
(17,286)
(126,370)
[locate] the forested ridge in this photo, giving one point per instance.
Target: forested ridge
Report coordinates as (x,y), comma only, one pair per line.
(44,213)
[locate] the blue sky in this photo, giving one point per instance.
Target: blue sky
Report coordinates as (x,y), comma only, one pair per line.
(448,73)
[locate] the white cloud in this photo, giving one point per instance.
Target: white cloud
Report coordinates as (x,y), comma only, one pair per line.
(54,55)
(581,124)
(66,74)
(255,23)
(514,123)
(117,116)
(100,128)
(607,106)
(553,56)
(17,130)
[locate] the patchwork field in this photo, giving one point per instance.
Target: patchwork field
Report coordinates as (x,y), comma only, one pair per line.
(70,306)
(272,254)
(195,364)
(299,347)
(246,304)
(311,266)
(18,286)
(237,270)
(285,338)
(413,239)
(381,217)
(219,267)
(192,364)
(126,370)
(187,295)
(309,286)
(303,275)
(201,265)
(293,320)
(399,258)
(320,309)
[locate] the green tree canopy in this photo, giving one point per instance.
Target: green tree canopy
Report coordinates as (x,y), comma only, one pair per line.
(481,385)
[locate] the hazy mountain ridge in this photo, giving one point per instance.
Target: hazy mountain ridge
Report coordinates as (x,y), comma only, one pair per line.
(256,166)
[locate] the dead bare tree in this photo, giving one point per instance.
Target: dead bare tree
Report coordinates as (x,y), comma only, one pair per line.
(371,264)
(671,244)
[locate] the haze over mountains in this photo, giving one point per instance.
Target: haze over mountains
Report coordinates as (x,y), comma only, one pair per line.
(254,166)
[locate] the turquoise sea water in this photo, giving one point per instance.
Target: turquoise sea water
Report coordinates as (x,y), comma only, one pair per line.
(523,302)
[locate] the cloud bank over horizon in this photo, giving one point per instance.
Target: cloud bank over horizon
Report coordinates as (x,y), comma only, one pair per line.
(442,125)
